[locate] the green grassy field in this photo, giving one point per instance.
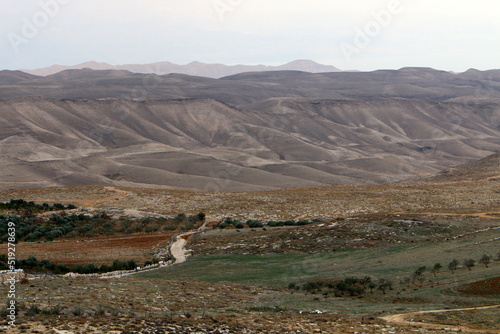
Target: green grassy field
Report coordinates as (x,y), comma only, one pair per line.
(392,262)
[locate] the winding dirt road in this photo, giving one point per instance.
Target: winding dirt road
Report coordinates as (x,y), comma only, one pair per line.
(178,250)
(178,247)
(401,320)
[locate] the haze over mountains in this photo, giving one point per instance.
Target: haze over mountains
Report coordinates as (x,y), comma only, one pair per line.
(195,68)
(250,131)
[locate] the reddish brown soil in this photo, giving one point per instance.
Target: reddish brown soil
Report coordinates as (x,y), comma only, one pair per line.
(94,250)
(488,287)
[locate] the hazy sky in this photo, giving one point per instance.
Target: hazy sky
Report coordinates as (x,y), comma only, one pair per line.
(447,34)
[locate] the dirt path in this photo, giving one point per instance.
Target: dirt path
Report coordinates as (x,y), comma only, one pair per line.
(91,203)
(178,248)
(400,319)
(491,178)
(488,215)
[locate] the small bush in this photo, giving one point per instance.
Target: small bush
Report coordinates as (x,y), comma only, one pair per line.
(78,311)
(255,224)
(54,310)
(266,309)
(33,310)
(100,311)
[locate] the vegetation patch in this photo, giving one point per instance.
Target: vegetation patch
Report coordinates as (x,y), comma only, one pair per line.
(32,265)
(31,228)
(20,205)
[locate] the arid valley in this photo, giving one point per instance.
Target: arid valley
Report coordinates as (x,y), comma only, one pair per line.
(280,201)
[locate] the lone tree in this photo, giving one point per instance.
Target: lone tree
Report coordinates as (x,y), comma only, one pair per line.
(421,280)
(384,285)
(453,265)
(418,273)
(437,267)
(469,263)
(201,216)
(485,259)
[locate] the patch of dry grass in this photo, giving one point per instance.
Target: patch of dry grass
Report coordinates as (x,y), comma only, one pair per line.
(336,201)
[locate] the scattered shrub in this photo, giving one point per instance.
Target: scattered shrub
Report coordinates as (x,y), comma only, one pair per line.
(33,310)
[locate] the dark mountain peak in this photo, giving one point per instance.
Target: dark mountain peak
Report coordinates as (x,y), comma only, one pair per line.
(15,77)
(267,75)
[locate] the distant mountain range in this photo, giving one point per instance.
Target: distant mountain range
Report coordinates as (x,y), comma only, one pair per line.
(194,68)
(252,87)
(248,131)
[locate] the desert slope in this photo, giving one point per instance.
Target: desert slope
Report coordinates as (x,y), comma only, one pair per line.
(486,169)
(209,145)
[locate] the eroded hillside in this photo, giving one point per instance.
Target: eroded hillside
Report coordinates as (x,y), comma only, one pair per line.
(208,145)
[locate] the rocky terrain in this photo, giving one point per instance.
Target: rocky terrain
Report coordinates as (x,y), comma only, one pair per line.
(237,282)
(400,169)
(181,306)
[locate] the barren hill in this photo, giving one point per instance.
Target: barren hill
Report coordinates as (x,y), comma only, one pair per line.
(206,144)
(253,87)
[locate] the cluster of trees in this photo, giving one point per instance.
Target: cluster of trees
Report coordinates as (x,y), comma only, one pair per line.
(272,223)
(419,275)
(32,264)
(470,263)
(351,286)
(77,225)
(22,205)
(33,229)
(188,221)
(292,222)
(236,223)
